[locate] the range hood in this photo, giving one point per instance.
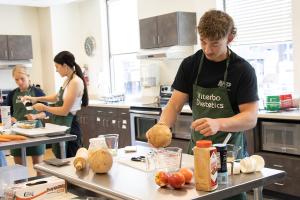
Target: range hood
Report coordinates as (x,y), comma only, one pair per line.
(173,52)
(4,64)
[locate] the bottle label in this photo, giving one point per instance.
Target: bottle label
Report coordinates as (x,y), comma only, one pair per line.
(213,167)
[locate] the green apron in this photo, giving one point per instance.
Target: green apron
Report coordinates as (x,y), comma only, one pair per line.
(19,113)
(214,103)
(60,120)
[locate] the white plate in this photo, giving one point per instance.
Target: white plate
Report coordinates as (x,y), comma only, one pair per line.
(49,130)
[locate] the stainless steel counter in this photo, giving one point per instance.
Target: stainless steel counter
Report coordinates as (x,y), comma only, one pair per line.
(22,144)
(124,182)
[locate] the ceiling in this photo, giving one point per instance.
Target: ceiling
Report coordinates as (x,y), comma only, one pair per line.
(35,3)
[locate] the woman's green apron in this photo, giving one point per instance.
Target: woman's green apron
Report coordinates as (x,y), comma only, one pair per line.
(60,120)
(19,113)
(214,103)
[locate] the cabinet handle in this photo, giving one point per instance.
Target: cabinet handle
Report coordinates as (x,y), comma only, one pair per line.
(5,52)
(154,40)
(280,184)
(279,166)
(158,39)
(11,53)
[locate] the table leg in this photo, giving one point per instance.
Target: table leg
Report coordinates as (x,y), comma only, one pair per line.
(257,192)
(62,146)
(23,156)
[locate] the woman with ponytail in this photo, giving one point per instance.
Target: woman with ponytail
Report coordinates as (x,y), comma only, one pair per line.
(71,96)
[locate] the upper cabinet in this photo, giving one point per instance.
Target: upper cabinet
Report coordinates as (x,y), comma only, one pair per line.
(3,47)
(15,47)
(178,28)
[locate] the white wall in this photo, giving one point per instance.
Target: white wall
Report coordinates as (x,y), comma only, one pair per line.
(93,18)
(46,50)
(66,27)
(18,20)
(66,33)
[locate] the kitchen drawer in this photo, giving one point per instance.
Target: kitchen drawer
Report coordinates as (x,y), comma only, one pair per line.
(289,185)
(290,164)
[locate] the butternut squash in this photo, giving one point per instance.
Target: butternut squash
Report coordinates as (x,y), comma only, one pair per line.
(100,161)
(159,135)
(81,158)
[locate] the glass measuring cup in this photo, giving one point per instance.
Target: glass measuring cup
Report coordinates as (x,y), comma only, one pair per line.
(232,152)
(111,141)
(167,159)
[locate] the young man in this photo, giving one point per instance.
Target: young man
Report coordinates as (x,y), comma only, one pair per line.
(220,86)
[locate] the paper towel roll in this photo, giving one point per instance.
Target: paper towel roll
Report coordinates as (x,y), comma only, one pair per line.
(248,165)
(260,162)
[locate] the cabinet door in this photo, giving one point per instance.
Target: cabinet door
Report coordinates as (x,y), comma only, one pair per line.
(3,47)
(148,33)
(167,30)
(124,128)
(85,116)
(105,120)
(288,186)
(20,47)
(187,28)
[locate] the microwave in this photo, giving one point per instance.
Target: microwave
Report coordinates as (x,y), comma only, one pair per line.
(281,137)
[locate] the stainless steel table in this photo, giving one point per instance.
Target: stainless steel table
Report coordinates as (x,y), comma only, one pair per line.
(22,144)
(124,182)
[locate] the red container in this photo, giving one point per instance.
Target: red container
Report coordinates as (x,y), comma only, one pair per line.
(286,101)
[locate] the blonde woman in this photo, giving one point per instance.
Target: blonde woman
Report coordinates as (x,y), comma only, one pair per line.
(19,112)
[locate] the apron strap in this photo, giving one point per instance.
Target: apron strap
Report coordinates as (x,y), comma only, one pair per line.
(226,70)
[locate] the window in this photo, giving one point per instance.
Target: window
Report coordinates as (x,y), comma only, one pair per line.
(124,44)
(264,38)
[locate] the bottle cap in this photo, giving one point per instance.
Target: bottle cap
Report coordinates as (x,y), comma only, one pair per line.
(204,143)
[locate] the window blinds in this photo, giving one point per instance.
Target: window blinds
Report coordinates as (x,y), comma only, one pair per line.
(261,21)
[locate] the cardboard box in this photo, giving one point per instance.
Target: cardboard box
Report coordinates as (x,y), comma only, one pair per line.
(45,188)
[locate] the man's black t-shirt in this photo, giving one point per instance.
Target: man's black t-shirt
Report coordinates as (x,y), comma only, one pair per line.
(241,79)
